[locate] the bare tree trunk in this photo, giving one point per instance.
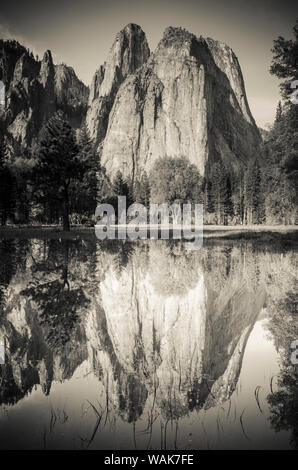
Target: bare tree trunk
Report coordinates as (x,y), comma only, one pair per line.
(66,225)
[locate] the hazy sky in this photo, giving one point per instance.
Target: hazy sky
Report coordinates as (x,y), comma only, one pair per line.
(80,33)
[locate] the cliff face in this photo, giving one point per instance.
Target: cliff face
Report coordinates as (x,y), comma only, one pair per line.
(129,51)
(35,90)
(187,100)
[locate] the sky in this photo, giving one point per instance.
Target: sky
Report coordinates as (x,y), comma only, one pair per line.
(80,33)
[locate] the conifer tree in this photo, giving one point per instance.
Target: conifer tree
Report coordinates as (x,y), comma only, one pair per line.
(221,193)
(285,61)
(257,195)
(278,114)
(253,194)
(7,186)
(119,186)
(209,202)
(58,163)
(145,190)
(238,197)
(84,194)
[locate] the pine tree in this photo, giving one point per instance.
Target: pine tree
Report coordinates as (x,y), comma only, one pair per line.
(84,201)
(7,186)
(208,193)
(137,191)
(285,62)
(280,151)
(257,199)
(128,190)
(214,196)
(221,193)
(226,197)
(120,187)
(58,164)
(278,114)
(145,190)
(253,194)
(241,196)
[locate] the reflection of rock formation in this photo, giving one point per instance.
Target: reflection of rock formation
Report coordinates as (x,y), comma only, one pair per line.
(188,343)
(30,360)
(170,328)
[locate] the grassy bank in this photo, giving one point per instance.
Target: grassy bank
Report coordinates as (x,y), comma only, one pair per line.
(253,232)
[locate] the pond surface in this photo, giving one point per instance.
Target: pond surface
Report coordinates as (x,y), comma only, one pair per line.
(144,345)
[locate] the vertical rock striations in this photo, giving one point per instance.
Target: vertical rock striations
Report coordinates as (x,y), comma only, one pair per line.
(129,52)
(188,100)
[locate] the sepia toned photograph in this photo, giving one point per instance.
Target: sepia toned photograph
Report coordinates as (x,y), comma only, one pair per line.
(148,228)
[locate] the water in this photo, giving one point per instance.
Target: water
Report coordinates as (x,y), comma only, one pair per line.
(144,345)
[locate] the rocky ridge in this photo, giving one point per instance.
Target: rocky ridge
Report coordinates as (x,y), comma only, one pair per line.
(35,90)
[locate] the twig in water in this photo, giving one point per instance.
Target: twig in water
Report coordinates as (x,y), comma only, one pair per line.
(53,419)
(241,422)
(99,416)
(258,388)
(271,381)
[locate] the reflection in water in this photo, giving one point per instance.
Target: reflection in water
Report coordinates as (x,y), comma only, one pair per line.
(149,341)
(284,401)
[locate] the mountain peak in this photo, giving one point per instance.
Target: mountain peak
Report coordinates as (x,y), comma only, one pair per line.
(133,27)
(128,53)
(47,57)
(176,34)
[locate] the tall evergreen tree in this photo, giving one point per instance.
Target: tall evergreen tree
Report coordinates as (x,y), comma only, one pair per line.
(278,114)
(257,195)
(58,163)
(7,186)
(238,197)
(226,198)
(119,186)
(285,61)
(142,190)
(281,148)
(84,201)
(208,197)
(221,193)
(253,194)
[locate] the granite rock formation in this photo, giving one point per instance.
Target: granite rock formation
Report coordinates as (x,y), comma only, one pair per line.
(35,90)
(188,100)
(129,52)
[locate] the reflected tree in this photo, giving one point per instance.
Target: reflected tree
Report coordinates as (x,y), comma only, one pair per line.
(12,255)
(59,301)
(283,403)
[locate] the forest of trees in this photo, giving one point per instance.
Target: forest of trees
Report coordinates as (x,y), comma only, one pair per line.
(60,178)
